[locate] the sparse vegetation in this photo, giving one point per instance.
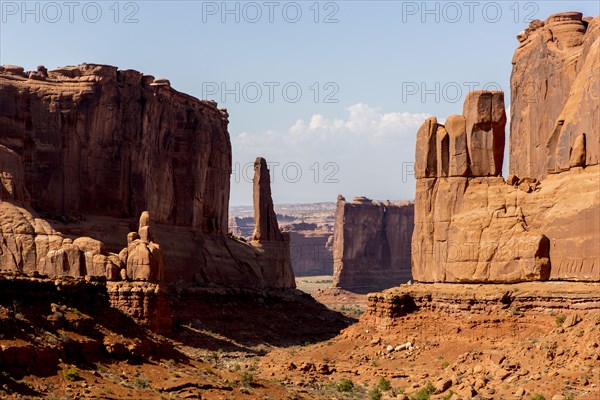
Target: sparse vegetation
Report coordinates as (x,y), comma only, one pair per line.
(384,385)
(142,383)
(448,395)
(71,374)
(375,394)
(537,396)
(398,390)
(246,378)
(445,365)
(345,385)
(424,393)
(560,319)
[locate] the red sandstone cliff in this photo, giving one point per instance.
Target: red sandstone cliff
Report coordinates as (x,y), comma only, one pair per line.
(554,95)
(544,221)
(97,146)
(371,246)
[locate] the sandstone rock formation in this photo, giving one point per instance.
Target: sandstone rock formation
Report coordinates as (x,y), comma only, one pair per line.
(371,246)
(267,236)
(471,225)
(265,220)
(98,140)
(311,244)
(311,249)
(144,258)
(555,88)
(30,244)
(95,147)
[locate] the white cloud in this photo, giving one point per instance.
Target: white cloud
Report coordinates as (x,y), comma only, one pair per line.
(368,146)
(362,123)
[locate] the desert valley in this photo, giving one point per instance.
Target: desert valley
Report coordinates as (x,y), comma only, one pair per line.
(125,272)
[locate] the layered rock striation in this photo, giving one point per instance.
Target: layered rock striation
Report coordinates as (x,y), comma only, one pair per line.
(544,221)
(371,246)
(93,148)
(555,108)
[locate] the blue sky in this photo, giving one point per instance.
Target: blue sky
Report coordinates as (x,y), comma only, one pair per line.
(331,93)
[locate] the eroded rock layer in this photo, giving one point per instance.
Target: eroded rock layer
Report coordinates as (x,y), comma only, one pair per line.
(471,225)
(555,100)
(371,246)
(91,148)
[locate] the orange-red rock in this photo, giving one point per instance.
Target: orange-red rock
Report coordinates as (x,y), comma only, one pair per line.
(371,246)
(555,94)
(95,146)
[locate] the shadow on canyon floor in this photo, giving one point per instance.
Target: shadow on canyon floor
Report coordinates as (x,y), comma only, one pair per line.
(255,322)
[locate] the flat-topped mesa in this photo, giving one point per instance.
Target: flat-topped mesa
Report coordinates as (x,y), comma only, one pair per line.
(371,244)
(265,220)
(96,147)
(468,145)
(99,140)
(554,96)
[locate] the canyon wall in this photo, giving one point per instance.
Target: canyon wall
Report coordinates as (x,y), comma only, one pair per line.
(543,222)
(312,250)
(96,147)
(371,246)
(554,95)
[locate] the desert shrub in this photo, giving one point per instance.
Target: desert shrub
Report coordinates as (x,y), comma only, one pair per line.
(345,385)
(142,383)
(448,395)
(537,396)
(247,378)
(71,374)
(375,394)
(384,385)
(424,393)
(560,319)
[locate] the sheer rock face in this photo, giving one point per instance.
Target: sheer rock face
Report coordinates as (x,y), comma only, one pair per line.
(98,140)
(11,176)
(555,95)
(97,146)
(30,244)
(371,246)
(485,119)
(471,225)
(267,237)
(266,227)
(544,221)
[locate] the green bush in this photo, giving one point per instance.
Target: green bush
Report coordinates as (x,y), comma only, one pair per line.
(424,393)
(448,395)
(247,378)
(375,394)
(560,319)
(142,383)
(345,385)
(384,385)
(537,396)
(71,374)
